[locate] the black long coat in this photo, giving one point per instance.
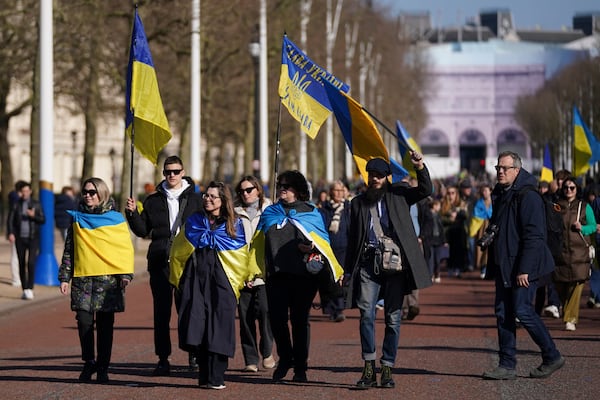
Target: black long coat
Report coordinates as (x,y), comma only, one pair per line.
(398,199)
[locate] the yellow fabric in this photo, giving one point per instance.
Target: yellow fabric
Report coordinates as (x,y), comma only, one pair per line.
(105,250)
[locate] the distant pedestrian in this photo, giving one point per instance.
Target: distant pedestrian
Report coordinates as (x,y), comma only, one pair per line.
(23,227)
(13,198)
(98,263)
(62,202)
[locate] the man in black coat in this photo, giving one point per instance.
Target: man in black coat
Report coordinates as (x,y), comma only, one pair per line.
(174,200)
(363,259)
(518,260)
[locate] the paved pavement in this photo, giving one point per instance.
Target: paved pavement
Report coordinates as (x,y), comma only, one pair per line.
(442,352)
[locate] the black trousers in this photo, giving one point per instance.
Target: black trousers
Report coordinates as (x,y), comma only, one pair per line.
(290,299)
(27,252)
(104,329)
(253,308)
(162,300)
(211,366)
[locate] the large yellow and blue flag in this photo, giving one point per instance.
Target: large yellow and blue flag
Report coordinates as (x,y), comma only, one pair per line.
(586,149)
(301,88)
(102,244)
(360,133)
(406,144)
(145,119)
(310,224)
(398,171)
(232,252)
(547,174)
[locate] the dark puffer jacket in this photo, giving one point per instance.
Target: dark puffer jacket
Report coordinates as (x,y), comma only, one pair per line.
(92,293)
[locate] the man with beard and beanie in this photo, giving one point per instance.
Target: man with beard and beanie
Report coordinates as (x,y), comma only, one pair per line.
(384,208)
(162,215)
(519,260)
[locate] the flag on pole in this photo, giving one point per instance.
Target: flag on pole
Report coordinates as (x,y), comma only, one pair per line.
(301,88)
(398,171)
(586,149)
(406,144)
(145,117)
(359,130)
(547,174)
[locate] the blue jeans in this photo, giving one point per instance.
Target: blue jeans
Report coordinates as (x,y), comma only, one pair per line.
(517,302)
(595,284)
(393,295)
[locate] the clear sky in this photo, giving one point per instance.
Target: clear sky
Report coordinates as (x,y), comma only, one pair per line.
(527,14)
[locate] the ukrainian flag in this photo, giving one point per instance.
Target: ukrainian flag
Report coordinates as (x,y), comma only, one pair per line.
(301,88)
(102,244)
(145,118)
(232,253)
(586,149)
(406,144)
(547,174)
(359,130)
(310,224)
(398,171)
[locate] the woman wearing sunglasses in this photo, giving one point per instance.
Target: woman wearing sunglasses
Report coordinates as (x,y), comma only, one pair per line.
(98,264)
(292,248)
(252,307)
(573,266)
(209,267)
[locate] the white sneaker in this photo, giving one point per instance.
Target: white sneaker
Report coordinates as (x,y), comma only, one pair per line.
(437,279)
(28,294)
(551,311)
(569,326)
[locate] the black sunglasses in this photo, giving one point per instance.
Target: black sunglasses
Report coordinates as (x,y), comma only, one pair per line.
(168,172)
(91,192)
(283,186)
(247,190)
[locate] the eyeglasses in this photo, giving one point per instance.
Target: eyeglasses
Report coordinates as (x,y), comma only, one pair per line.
(503,168)
(207,196)
(570,187)
(283,186)
(246,190)
(168,172)
(91,192)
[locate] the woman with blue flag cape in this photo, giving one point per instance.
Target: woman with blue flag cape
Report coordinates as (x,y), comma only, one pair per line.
(291,247)
(209,267)
(98,263)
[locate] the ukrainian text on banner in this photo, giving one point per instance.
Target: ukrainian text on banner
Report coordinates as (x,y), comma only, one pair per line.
(143,105)
(359,130)
(102,244)
(301,88)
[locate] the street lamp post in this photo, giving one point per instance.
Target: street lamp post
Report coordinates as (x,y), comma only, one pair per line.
(74,178)
(254,49)
(111,154)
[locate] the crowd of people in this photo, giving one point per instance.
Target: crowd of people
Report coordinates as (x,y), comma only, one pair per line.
(228,250)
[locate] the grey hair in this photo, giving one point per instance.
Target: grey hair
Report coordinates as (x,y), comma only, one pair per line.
(515,157)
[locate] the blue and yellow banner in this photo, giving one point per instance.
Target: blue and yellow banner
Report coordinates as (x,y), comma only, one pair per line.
(102,244)
(586,149)
(145,116)
(310,224)
(406,144)
(360,133)
(231,252)
(547,174)
(301,88)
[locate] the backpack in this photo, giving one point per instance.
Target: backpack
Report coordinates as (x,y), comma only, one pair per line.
(554,223)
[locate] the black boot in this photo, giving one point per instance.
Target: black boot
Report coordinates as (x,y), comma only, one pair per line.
(368,378)
(102,376)
(386,377)
(89,368)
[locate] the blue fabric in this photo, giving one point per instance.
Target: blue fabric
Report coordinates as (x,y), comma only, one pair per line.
(199,233)
(518,303)
(370,287)
(311,221)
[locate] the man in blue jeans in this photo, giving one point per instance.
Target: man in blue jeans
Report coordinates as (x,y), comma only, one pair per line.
(518,260)
(386,205)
